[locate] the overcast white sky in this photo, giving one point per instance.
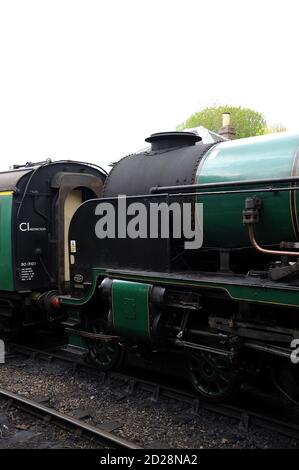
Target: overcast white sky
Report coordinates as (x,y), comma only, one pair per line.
(90,79)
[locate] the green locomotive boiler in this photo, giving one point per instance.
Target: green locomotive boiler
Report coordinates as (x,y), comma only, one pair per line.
(229,307)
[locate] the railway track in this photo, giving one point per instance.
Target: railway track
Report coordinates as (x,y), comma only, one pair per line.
(44,412)
(287,425)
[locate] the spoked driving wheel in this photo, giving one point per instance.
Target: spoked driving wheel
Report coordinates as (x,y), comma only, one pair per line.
(214,377)
(106,354)
(104,349)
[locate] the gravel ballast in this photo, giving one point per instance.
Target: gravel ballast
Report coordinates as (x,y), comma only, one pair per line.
(165,424)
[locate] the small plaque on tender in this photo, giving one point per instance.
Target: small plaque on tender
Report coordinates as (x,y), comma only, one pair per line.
(73,247)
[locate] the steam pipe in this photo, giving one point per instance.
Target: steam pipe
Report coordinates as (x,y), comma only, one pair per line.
(266,251)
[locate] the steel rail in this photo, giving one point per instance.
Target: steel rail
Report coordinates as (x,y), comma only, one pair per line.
(37,408)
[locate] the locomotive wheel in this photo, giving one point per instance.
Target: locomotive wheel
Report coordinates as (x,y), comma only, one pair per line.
(105,354)
(285,377)
(214,377)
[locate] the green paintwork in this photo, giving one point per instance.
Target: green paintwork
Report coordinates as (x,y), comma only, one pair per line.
(271,294)
(130,308)
(269,156)
(76,340)
(6,273)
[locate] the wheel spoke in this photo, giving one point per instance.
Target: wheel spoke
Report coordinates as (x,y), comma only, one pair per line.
(212,376)
(226,379)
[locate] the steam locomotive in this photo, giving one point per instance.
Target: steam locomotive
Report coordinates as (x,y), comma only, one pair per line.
(229,307)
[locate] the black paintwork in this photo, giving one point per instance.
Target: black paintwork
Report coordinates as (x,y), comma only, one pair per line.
(162,140)
(152,254)
(172,160)
(36,203)
(137,174)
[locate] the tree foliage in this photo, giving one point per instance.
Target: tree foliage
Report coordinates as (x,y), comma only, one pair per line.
(275,128)
(246,121)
